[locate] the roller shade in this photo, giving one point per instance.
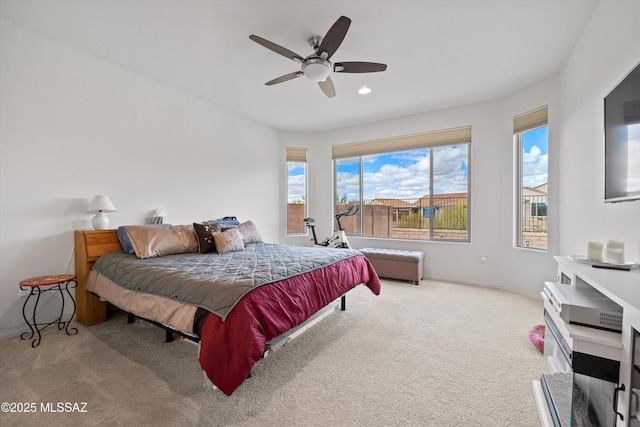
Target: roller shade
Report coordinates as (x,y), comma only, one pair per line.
(461,135)
(296,154)
(530,120)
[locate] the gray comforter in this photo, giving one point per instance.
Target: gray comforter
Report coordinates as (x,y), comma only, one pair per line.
(215,282)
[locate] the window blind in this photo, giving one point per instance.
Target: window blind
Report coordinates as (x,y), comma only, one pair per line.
(296,154)
(530,120)
(460,135)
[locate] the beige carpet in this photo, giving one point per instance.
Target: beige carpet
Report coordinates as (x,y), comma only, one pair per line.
(438,354)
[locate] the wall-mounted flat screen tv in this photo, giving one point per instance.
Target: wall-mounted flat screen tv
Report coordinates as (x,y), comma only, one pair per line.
(622,140)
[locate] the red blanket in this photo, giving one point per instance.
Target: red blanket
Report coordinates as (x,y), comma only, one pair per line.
(228,350)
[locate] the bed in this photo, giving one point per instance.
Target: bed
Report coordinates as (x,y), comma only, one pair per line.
(233,302)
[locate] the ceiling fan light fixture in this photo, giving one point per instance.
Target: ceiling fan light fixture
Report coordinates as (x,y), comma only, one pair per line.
(316,69)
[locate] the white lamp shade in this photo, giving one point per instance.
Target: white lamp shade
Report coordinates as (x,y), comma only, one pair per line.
(99,205)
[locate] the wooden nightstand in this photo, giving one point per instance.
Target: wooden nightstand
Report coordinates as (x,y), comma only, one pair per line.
(89,245)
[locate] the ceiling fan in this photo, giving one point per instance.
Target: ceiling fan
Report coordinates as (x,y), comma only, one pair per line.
(317,67)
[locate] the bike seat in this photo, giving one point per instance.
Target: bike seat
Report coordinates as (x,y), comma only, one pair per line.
(307,220)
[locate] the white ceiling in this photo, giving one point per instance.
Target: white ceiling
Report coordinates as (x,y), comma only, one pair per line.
(440,53)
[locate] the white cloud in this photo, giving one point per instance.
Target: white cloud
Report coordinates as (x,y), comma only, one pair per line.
(447,170)
(296,188)
(409,177)
(348,185)
(534,167)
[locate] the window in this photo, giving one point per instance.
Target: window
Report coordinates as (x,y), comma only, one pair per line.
(531,141)
(413,187)
(348,172)
(296,190)
(538,209)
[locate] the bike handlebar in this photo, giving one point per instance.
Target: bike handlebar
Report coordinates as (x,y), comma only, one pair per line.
(351,210)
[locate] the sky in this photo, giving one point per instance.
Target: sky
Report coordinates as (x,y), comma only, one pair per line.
(535,157)
(296,182)
(405,175)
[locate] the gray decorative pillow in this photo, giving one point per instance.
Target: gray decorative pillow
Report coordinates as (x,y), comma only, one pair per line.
(250,233)
(228,241)
(205,231)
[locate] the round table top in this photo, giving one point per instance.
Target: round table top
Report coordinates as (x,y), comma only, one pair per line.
(52,279)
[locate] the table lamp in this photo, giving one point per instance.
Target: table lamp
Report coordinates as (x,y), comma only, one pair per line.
(99,206)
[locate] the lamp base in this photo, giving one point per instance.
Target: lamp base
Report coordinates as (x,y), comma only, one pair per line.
(100,221)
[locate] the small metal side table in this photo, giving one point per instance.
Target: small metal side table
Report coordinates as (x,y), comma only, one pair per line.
(39,285)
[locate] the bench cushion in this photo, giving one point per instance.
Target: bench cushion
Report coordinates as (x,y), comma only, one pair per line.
(396,264)
(393,254)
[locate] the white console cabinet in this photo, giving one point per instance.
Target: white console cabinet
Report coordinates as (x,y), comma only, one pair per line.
(622,287)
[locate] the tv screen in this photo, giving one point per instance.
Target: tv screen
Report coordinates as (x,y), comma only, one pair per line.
(622,140)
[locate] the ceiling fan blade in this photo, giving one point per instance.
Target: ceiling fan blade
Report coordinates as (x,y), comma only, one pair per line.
(332,40)
(327,87)
(358,67)
(276,48)
(284,78)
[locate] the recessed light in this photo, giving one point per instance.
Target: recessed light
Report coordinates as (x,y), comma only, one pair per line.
(364,90)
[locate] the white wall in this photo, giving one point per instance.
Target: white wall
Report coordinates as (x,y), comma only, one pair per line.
(73,126)
(606,51)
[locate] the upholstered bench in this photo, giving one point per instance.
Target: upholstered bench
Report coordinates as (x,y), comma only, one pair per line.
(396,264)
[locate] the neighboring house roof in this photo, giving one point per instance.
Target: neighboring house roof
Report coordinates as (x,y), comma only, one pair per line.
(396,203)
(540,190)
(439,200)
(442,200)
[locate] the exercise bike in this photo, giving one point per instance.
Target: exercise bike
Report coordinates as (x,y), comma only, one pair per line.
(339,238)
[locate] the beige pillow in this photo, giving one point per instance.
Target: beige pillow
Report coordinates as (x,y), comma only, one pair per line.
(250,233)
(228,241)
(151,242)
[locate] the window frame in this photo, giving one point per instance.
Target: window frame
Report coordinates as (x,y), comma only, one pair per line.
(529,121)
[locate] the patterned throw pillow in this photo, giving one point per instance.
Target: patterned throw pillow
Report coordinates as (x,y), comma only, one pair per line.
(250,233)
(205,231)
(228,241)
